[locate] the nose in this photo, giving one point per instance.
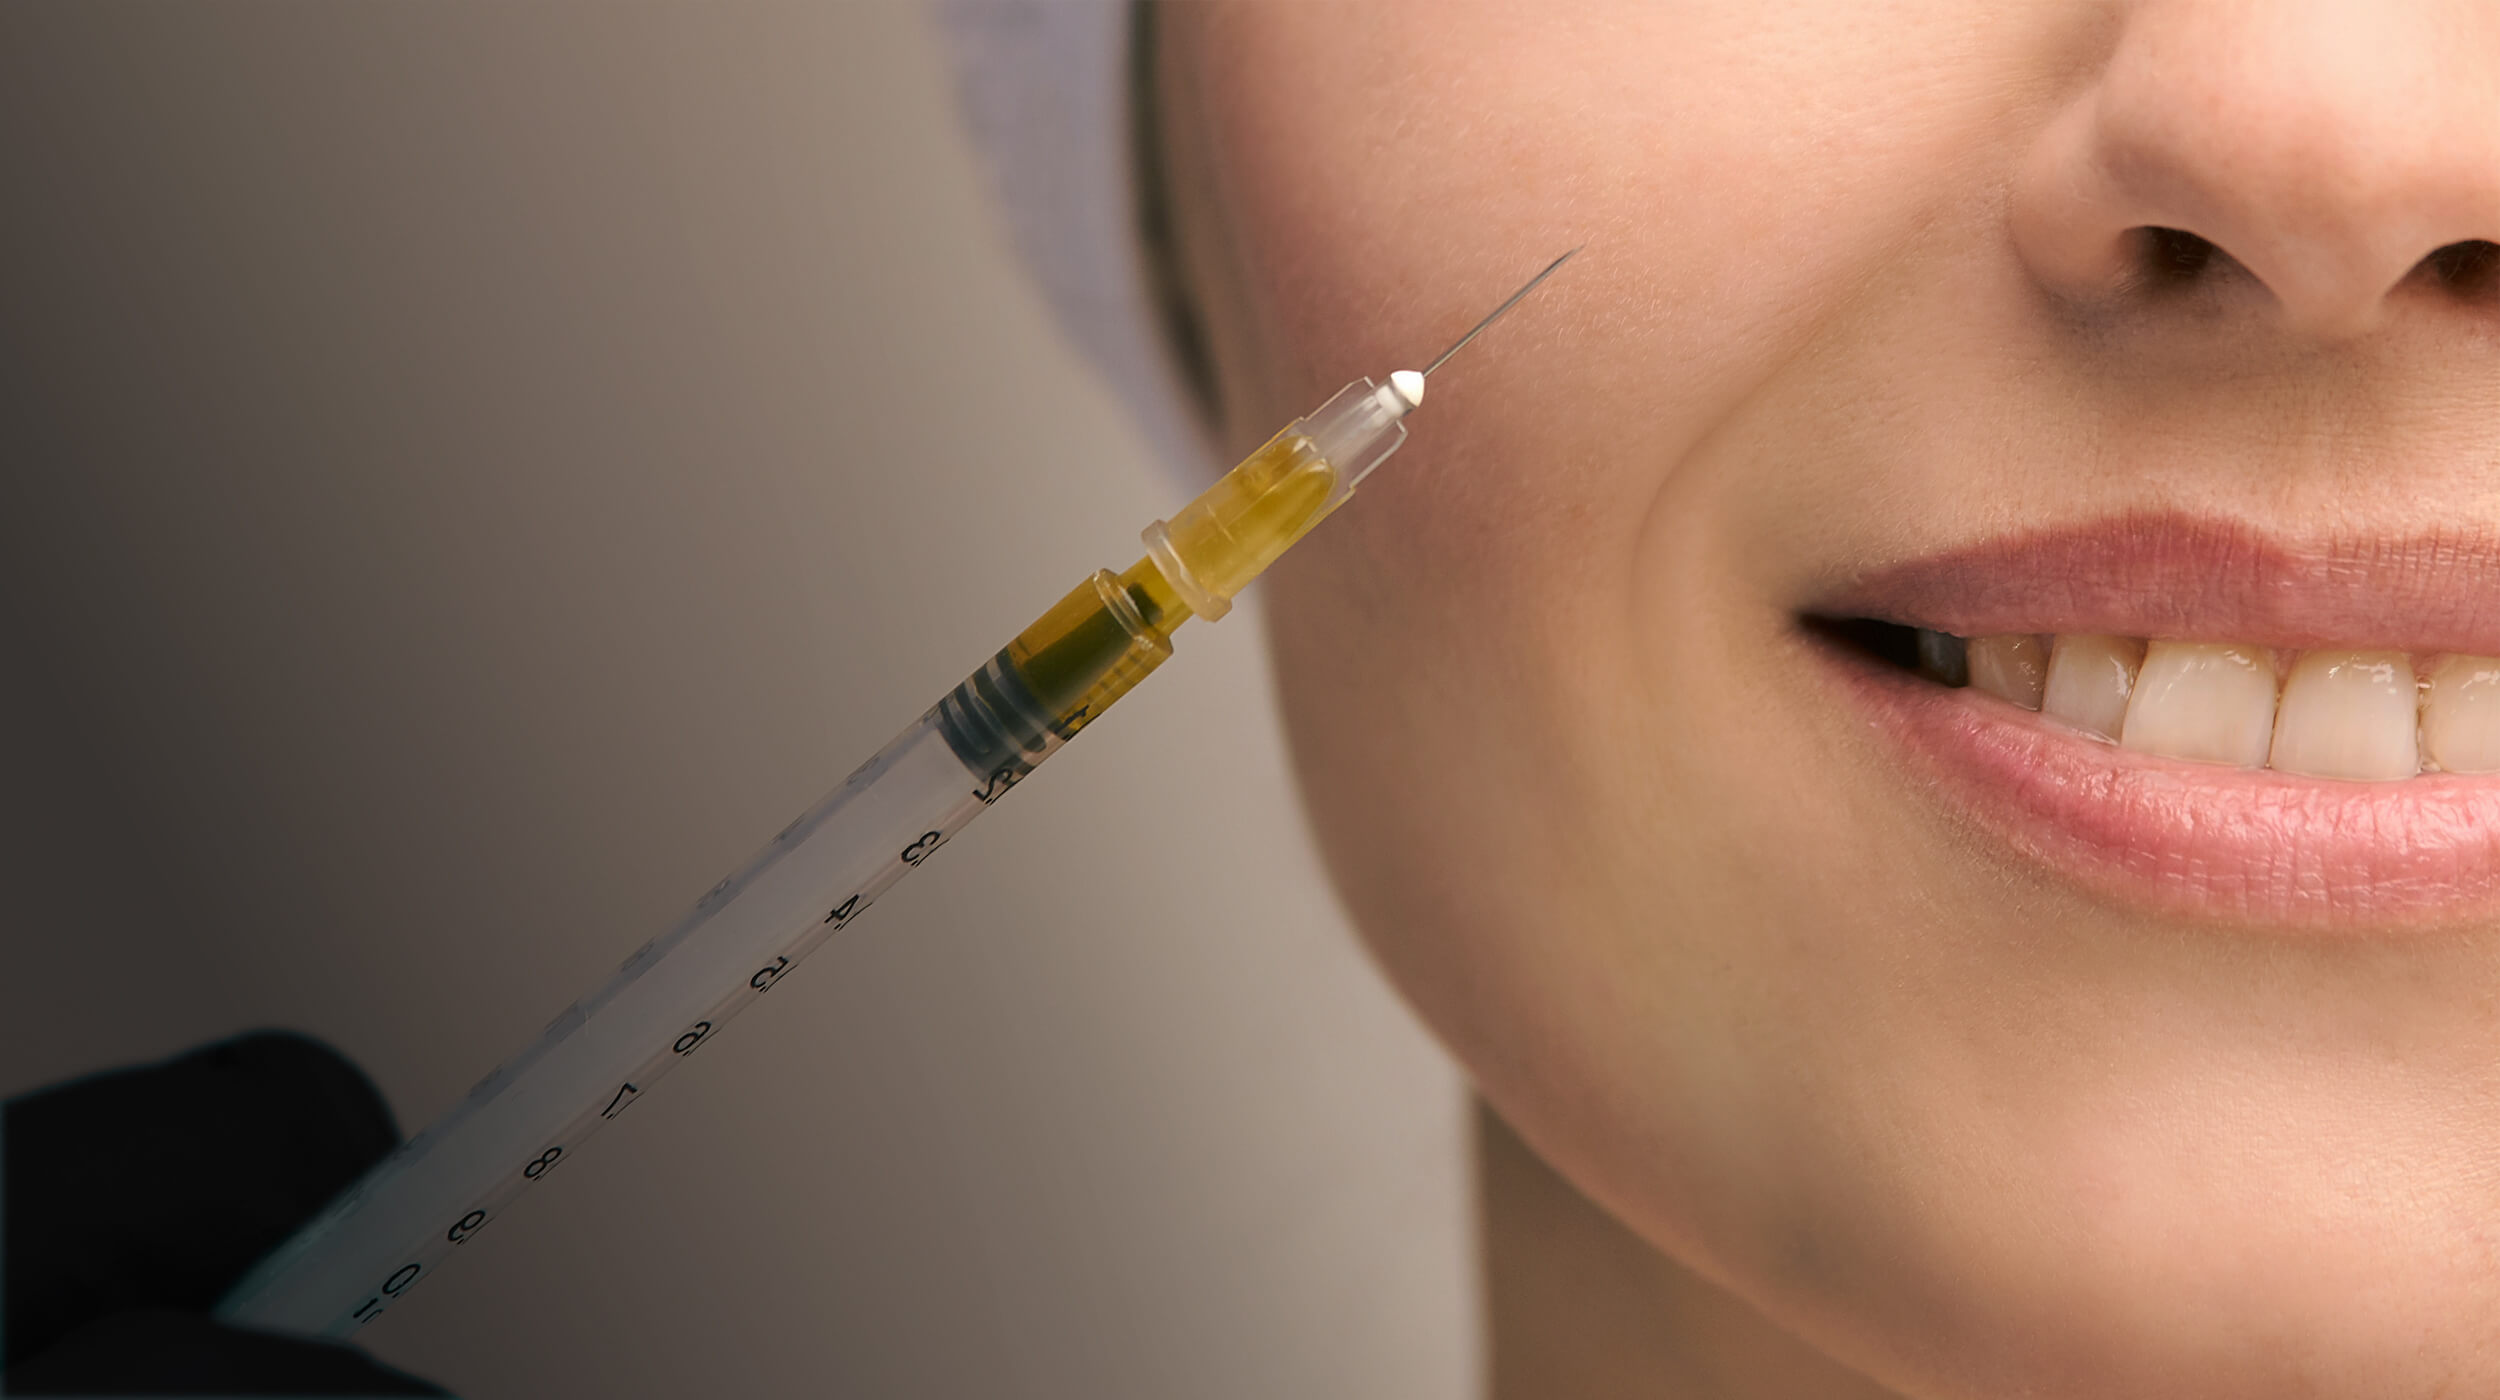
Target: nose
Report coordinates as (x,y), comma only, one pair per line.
(2343,153)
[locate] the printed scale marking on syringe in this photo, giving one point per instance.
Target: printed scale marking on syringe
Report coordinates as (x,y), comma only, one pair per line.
(693,1037)
(823,870)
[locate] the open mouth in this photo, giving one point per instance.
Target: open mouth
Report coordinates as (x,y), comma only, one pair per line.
(2075,693)
(2347,713)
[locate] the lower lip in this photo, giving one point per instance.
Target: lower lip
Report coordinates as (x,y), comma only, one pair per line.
(2236,845)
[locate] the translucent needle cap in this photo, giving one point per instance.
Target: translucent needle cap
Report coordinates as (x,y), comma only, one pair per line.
(1228,536)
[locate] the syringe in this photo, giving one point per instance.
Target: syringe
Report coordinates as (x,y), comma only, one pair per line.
(398,1223)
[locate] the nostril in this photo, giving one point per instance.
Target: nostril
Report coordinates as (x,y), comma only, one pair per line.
(2173,257)
(2468,267)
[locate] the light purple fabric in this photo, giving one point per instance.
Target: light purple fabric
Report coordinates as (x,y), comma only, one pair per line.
(1043,88)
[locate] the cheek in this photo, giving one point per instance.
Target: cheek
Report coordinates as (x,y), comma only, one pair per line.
(1567,816)
(1383,171)
(1560,822)
(1525,673)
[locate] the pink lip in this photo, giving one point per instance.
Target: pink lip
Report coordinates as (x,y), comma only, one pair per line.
(2191,839)
(2196,839)
(2192,579)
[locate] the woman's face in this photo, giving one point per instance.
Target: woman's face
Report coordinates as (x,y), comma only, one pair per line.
(1988,1056)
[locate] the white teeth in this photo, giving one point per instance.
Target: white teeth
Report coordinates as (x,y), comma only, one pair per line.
(2348,714)
(2204,701)
(2090,677)
(2013,667)
(2343,713)
(2461,715)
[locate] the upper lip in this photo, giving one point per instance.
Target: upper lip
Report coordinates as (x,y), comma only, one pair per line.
(2172,575)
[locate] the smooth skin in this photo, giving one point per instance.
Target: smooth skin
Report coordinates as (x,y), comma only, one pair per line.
(1865,1104)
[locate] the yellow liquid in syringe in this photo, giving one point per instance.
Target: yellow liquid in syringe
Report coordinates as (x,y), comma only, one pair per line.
(1111,631)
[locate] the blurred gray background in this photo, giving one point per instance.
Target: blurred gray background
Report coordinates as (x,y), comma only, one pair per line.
(469,473)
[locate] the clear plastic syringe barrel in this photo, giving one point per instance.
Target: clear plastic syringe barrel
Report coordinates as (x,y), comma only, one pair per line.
(604,1053)
(393,1227)
(1243,523)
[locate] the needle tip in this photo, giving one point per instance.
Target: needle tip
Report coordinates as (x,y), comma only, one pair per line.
(1499,311)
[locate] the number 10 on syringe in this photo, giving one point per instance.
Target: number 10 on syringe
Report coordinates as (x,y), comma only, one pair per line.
(599,1058)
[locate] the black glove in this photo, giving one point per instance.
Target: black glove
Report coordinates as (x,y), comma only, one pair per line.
(130,1202)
